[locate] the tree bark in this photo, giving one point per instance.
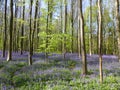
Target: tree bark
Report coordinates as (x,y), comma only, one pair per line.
(118,26)
(5,31)
(78,39)
(30,39)
(47,30)
(22,32)
(15,28)
(83,49)
(35,24)
(78,32)
(61,17)
(100,40)
(90,35)
(38,23)
(65,28)
(72,24)
(10,32)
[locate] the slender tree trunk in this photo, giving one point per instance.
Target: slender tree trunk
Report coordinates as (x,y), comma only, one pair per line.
(22,31)
(90,35)
(83,49)
(78,38)
(35,24)
(97,26)
(5,31)
(47,30)
(65,28)
(104,42)
(72,24)
(10,32)
(51,12)
(118,26)
(15,28)
(61,14)
(114,40)
(38,23)
(18,30)
(114,32)
(78,31)
(49,22)
(100,40)
(30,39)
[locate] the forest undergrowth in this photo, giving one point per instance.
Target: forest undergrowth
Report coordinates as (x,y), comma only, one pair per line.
(58,73)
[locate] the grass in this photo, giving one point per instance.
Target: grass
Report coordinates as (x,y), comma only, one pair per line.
(55,75)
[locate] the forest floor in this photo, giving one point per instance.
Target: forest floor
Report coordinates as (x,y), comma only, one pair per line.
(58,73)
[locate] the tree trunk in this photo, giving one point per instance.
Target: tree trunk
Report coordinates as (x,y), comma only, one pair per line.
(78,39)
(5,31)
(65,28)
(48,24)
(22,32)
(83,49)
(61,17)
(30,39)
(72,24)
(10,32)
(97,26)
(35,24)
(15,28)
(118,26)
(38,23)
(100,40)
(47,30)
(78,33)
(90,35)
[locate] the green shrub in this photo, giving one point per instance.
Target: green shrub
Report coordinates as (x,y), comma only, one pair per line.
(21,79)
(2,64)
(21,64)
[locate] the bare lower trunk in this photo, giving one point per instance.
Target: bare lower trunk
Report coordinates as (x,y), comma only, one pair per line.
(100,68)
(30,59)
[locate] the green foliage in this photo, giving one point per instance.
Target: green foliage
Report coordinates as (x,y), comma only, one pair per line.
(2,64)
(35,86)
(10,68)
(20,20)
(23,37)
(35,67)
(21,64)
(56,74)
(77,84)
(54,40)
(21,79)
(87,31)
(70,64)
(107,21)
(7,72)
